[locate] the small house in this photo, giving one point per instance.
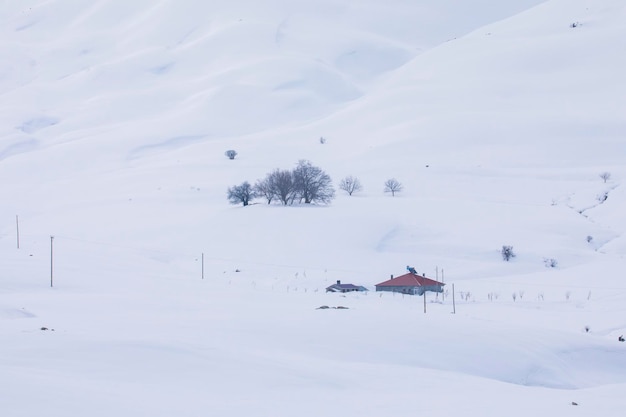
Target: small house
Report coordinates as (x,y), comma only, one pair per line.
(339,287)
(411,283)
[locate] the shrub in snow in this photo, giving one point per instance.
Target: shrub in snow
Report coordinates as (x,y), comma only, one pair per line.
(605,176)
(493,296)
(507,252)
(231,154)
(550,262)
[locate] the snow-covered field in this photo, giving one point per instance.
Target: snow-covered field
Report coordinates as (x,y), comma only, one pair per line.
(498,120)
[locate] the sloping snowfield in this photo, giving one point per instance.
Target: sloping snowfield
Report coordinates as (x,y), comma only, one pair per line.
(129,286)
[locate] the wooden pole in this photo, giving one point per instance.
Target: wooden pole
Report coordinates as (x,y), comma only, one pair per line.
(51,261)
(453,303)
(17,228)
(424,301)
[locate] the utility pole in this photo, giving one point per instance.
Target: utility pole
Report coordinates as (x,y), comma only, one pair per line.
(424,301)
(51,260)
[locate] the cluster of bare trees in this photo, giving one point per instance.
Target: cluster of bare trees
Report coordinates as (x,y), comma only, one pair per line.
(306,183)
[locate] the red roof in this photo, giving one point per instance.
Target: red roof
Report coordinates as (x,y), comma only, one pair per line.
(408,280)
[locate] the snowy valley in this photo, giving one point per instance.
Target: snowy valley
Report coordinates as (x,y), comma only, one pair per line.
(130,286)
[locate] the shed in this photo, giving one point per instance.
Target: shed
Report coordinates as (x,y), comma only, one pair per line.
(339,287)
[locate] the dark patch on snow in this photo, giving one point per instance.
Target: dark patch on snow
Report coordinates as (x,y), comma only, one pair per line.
(33,125)
(167,144)
(162,69)
(17,148)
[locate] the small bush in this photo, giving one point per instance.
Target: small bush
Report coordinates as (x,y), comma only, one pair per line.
(550,262)
(605,176)
(507,253)
(231,154)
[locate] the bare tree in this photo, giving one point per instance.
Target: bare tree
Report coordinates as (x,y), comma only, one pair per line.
(231,154)
(350,185)
(242,193)
(263,188)
(312,184)
(605,176)
(393,186)
(281,185)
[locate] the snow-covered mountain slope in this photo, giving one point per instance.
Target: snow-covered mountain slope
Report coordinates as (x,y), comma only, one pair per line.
(200,69)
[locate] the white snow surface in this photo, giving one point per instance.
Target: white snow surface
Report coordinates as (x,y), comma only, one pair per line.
(138,290)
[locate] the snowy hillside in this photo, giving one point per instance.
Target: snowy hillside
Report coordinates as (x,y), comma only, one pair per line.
(498,120)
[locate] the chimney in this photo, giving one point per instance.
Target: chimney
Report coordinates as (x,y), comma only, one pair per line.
(338,282)
(391,276)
